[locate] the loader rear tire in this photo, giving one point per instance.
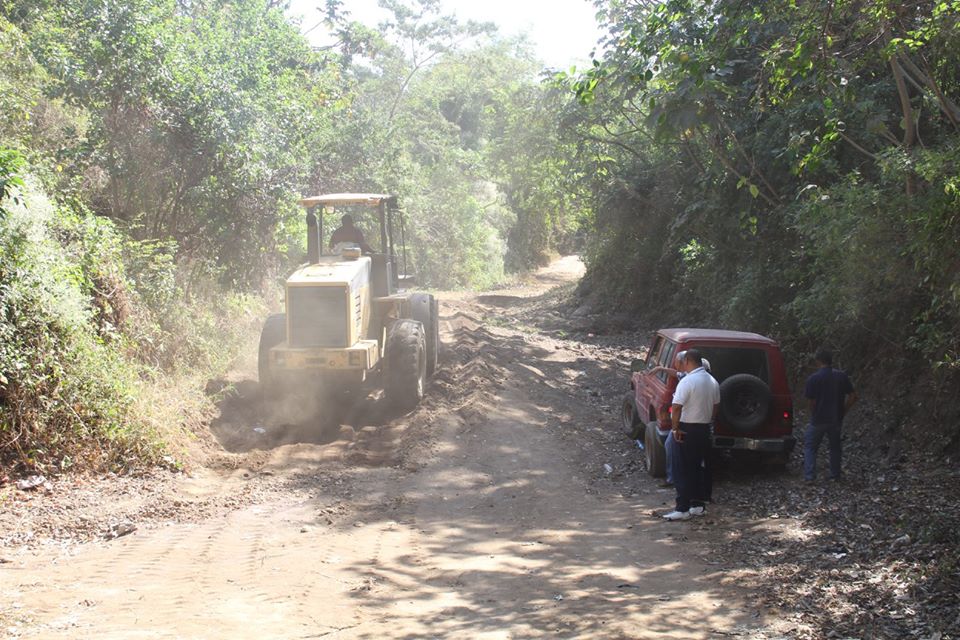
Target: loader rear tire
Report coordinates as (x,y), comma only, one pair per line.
(424,307)
(406,364)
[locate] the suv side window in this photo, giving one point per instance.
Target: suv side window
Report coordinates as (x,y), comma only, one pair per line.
(654,352)
(666,359)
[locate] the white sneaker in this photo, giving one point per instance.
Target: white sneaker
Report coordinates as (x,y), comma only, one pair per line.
(677,515)
(697,511)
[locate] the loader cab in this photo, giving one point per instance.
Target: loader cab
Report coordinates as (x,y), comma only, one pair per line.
(381,221)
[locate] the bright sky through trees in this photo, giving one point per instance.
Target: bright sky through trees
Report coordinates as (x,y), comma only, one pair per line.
(563,32)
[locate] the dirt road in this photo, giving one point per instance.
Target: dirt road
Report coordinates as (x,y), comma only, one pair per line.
(487,513)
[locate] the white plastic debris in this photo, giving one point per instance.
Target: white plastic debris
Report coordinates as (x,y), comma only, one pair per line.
(31,482)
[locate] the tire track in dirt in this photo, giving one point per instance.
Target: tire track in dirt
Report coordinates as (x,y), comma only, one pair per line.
(465,518)
(517,539)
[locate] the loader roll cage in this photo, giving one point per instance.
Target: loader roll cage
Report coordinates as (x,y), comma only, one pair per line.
(390,222)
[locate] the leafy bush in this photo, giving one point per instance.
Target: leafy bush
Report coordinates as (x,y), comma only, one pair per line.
(84,339)
(66,393)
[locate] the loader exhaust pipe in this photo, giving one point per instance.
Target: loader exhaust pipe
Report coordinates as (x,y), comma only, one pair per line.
(313,238)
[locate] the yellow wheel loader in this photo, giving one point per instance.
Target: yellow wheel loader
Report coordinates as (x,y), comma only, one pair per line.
(348,316)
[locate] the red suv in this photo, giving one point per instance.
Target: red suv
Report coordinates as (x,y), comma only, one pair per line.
(756,408)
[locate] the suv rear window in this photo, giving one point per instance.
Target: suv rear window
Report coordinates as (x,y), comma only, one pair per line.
(728,361)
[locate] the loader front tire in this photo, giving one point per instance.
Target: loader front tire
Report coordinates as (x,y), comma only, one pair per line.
(274,332)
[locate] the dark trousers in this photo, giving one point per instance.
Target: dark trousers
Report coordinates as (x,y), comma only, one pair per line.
(811,445)
(707,495)
(693,482)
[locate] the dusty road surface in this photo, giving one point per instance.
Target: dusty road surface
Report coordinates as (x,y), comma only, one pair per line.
(498,509)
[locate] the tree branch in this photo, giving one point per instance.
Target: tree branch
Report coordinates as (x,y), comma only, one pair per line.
(616,143)
(725,161)
(749,159)
(856,146)
(909,131)
(949,108)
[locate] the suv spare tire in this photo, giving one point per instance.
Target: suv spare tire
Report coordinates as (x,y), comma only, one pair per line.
(744,401)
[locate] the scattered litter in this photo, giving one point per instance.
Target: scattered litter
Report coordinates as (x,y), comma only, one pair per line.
(119,530)
(558,597)
(259,430)
(31,482)
(837,551)
(608,469)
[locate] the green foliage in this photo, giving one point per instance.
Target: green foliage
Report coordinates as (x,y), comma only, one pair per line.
(431,106)
(174,140)
(783,167)
(11,163)
(65,394)
(204,119)
(536,167)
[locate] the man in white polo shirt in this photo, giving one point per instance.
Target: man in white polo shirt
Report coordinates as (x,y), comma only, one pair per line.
(695,405)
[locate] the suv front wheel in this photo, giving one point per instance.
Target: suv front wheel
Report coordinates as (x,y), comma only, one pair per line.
(632,424)
(655,452)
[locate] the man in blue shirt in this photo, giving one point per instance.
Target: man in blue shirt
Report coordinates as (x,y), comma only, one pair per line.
(831,395)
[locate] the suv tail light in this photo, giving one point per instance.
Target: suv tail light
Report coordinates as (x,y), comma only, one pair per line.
(665,411)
